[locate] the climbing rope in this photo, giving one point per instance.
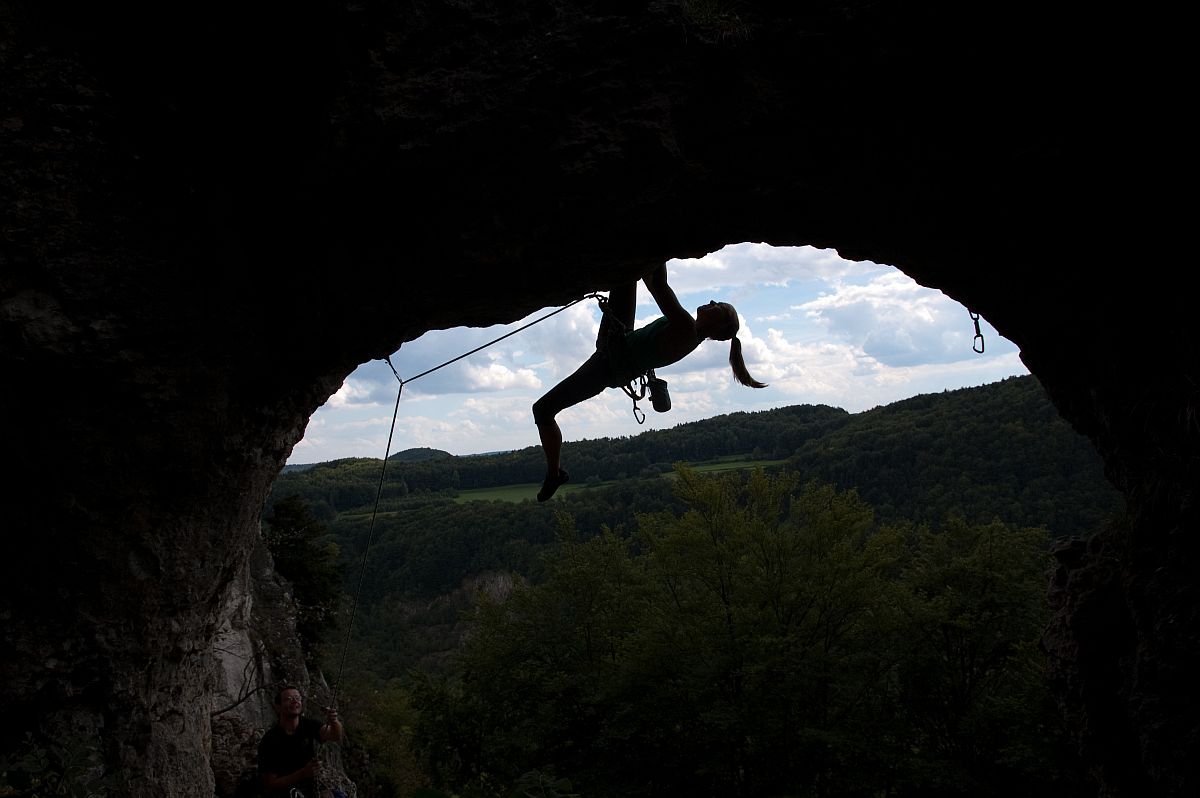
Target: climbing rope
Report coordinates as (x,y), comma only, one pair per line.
(490,343)
(331,780)
(362,571)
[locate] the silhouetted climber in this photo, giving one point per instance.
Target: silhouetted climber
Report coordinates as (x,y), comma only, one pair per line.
(623,355)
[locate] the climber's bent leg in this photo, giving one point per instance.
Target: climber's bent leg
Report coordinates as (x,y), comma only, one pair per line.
(622,301)
(587,381)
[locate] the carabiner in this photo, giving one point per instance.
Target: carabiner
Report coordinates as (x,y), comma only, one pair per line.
(977,345)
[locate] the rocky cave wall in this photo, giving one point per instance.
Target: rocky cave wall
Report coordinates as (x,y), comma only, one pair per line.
(212,213)
(255,650)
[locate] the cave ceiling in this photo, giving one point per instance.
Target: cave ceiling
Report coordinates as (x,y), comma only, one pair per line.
(213,213)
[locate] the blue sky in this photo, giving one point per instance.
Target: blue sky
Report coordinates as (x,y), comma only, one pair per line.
(817,328)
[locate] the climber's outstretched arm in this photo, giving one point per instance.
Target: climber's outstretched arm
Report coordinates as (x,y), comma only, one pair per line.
(664,295)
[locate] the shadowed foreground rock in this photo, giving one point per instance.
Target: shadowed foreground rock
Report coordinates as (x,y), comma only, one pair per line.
(212,215)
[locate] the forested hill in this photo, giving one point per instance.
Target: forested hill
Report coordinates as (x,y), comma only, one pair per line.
(345,485)
(419,454)
(1000,450)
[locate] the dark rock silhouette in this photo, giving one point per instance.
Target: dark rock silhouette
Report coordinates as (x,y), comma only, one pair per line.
(212,215)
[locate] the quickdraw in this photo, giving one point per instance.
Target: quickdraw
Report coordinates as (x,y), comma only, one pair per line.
(637,394)
(977,344)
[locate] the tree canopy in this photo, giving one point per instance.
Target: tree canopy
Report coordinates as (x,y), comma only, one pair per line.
(859,616)
(770,639)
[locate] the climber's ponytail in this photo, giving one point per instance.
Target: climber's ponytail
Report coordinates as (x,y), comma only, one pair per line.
(739,366)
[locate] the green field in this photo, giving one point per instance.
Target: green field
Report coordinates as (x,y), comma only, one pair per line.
(527,491)
(726,464)
(501,493)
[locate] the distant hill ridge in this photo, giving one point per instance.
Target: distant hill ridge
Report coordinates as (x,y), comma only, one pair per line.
(420,454)
(998,450)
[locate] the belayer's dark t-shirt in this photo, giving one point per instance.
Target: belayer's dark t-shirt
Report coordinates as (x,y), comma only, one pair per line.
(280,753)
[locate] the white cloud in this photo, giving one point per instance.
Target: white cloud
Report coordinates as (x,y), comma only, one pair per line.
(499,377)
(754,264)
(895,321)
(495,411)
(557,344)
(353,392)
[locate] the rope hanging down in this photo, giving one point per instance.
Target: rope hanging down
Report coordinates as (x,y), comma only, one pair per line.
(362,571)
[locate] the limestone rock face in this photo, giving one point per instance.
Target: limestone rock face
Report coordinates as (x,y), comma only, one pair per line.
(212,214)
(256,650)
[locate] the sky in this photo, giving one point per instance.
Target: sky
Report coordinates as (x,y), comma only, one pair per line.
(817,328)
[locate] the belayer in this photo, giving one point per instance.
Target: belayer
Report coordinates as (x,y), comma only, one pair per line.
(624,354)
(287,753)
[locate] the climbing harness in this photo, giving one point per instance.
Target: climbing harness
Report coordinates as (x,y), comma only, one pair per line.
(613,336)
(977,344)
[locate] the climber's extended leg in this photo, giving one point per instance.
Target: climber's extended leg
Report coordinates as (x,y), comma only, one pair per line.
(587,381)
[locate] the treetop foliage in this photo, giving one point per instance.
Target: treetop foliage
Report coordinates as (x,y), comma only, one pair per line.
(306,556)
(768,639)
(860,619)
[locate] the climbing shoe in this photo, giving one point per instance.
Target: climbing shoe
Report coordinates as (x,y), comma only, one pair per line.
(551,484)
